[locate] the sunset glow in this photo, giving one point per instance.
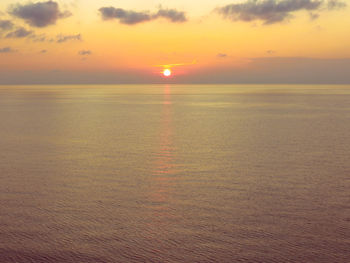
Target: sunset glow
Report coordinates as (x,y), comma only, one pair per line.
(121,41)
(167,72)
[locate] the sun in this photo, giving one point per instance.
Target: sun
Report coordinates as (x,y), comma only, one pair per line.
(167,72)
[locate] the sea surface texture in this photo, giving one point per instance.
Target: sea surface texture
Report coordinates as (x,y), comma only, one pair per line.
(175,173)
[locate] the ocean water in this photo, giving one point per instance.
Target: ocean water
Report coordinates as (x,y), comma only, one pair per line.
(175,173)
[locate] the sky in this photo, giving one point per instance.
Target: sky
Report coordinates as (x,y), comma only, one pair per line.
(201,41)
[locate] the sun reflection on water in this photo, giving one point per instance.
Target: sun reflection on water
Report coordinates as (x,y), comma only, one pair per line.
(163,176)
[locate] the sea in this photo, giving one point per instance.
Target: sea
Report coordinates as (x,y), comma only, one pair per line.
(175,173)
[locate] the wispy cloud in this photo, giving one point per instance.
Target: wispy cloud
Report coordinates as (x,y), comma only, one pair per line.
(335,4)
(40,38)
(314,16)
(165,66)
(7,50)
(39,14)
(221,55)
(84,52)
(130,17)
(65,38)
(19,33)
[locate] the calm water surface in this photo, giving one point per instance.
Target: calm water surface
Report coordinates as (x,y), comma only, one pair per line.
(175,174)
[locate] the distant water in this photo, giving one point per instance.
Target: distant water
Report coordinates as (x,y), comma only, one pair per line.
(175,174)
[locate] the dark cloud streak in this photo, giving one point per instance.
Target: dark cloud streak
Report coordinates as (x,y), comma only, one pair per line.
(19,33)
(124,16)
(221,55)
(130,17)
(273,11)
(6,50)
(65,38)
(85,53)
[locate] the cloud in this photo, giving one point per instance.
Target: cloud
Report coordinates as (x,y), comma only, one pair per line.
(39,38)
(172,14)
(313,16)
(6,25)
(221,55)
(31,35)
(335,4)
(19,33)
(7,50)
(130,17)
(39,14)
(272,11)
(65,38)
(85,53)
(124,16)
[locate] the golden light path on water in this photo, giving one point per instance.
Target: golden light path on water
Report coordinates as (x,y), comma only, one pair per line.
(163,175)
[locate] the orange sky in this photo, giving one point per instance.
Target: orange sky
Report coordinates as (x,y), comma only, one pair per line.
(73,41)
